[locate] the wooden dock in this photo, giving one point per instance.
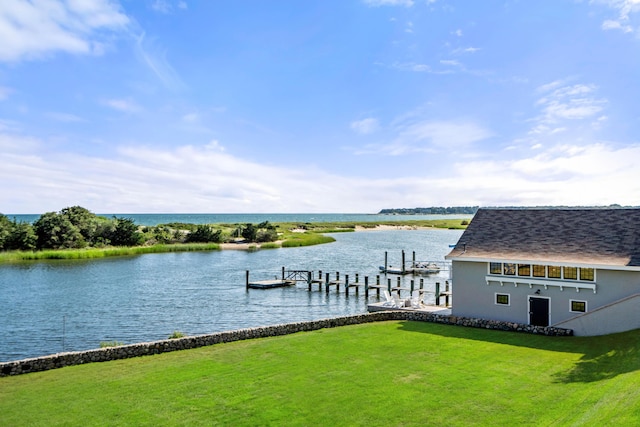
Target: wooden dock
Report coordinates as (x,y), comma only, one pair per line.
(324,282)
(268,284)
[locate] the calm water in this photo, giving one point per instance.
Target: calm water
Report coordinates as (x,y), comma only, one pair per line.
(155,219)
(55,306)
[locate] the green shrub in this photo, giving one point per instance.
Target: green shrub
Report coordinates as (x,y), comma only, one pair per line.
(105,344)
(176,335)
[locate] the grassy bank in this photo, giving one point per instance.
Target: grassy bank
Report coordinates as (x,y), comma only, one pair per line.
(92,253)
(386,374)
(313,235)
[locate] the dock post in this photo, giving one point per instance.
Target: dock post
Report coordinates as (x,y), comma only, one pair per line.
(309,279)
(438,293)
(446,297)
(378,286)
(421,283)
(398,285)
(357,281)
(412,286)
(413,262)
(403,261)
(385,262)
(346,285)
(326,283)
(320,280)
(283,274)
(247,279)
(366,287)
(337,282)
(389,285)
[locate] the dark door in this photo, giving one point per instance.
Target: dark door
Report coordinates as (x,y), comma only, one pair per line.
(538,311)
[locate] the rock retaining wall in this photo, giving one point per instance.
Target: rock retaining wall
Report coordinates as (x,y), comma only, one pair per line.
(60,360)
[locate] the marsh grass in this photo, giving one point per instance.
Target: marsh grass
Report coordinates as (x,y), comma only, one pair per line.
(382,374)
(92,253)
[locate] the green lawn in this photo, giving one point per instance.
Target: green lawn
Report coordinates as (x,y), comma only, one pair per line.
(385,374)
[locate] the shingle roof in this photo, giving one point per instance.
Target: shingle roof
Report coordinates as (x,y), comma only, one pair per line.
(582,236)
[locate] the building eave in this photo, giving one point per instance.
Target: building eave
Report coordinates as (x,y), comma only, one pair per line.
(568,263)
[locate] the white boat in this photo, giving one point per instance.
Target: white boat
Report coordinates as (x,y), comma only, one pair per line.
(426,268)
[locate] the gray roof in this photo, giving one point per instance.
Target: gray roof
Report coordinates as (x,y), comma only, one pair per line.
(581,236)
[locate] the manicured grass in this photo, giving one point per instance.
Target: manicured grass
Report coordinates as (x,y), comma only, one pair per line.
(383,374)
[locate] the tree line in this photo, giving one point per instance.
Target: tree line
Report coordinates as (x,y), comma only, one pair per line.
(76,228)
(435,210)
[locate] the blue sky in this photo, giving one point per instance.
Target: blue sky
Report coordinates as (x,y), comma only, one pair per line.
(138,106)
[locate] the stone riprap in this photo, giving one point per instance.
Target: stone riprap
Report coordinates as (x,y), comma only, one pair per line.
(60,360)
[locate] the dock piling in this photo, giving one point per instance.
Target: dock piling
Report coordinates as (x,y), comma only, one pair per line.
(366,287)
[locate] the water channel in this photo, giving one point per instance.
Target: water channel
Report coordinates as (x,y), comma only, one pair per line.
(54,306)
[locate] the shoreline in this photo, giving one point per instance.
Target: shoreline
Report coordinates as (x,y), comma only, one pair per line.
(358,228)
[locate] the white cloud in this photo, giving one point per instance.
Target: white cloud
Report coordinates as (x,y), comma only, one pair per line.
(411,66)
(161,6)
(206,178)
(156,59)
(625,9)
(377,3)
(616,25)
(365,126)
(417,135)
(575,102)
(34,29)
(64,117)
(126,105)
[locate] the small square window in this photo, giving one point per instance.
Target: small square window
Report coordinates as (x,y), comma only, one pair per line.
(587,274)
(502,299)
(509,269)
(578,306)
(495,268)
(539,271)
(571,273)
(524,269)
(554,272)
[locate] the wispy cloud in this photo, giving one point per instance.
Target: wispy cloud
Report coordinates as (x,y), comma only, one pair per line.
(167,6)
(125,105)
(365,126)
(64,117)
(149,179)
(378,3)
(420,135)
(568,102)
(626,9)
(35,29)
(155,58)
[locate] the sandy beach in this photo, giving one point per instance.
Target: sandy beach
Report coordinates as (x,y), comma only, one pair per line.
(380,227)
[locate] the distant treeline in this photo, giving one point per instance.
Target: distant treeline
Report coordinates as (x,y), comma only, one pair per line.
(471,210)
(450,210)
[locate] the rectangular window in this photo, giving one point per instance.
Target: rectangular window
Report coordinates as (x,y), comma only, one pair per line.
(587,274)
(539,271)
(502,299)
(570,273)
(495,268)
(509,269)
(554,272)
(578,306)
(524,269)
